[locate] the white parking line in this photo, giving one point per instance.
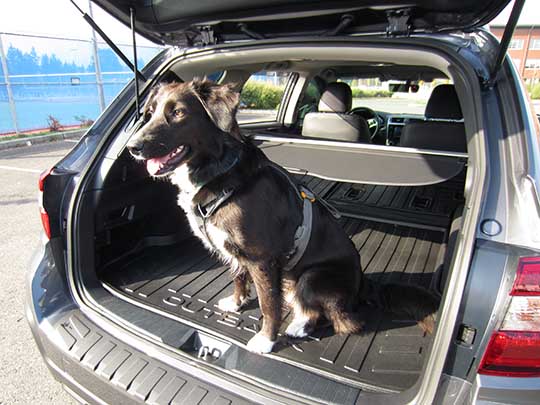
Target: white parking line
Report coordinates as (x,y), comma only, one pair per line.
(20,169)
(71,140)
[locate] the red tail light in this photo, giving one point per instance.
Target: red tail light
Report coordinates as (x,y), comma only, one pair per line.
(512,354)
(42,178)
(514,350)
(528,277)
(45,222)
(43,213)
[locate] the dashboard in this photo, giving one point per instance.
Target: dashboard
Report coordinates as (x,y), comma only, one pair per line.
(386,127)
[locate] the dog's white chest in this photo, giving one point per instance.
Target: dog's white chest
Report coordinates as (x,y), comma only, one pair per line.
(213,237)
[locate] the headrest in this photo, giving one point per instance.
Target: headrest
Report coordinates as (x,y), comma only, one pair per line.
(444,103)
(339,127)
(336,98)
(436,135)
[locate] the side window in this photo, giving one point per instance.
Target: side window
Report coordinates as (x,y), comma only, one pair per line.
(215,77)
(310,100)
(261,96)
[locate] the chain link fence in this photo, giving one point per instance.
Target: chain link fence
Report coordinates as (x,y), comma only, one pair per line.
(48,82)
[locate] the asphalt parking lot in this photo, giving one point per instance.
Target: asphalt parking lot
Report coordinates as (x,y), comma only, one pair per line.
(24,378)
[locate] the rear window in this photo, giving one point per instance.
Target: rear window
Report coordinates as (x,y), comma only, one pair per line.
(261,96)
(377,95)
(310,99)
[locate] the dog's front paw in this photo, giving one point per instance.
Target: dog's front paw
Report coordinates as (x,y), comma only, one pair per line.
(260,344)
(228,304)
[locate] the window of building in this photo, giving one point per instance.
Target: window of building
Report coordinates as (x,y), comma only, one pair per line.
(516,44)
(535,44)
(517,62)
(532,64)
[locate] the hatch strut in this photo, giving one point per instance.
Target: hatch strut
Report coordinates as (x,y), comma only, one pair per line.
(344,23)
(109,42)
(135,69)
(507,35)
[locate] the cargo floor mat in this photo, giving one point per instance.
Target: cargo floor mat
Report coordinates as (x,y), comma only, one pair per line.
(186,283)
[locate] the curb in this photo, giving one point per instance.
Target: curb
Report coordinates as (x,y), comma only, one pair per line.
(35,140)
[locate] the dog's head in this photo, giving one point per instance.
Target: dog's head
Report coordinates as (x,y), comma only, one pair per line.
(183,122)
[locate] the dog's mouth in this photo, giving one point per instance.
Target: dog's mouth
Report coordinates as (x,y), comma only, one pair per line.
(160,166)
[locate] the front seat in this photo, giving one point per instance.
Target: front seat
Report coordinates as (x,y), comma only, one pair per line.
(332,120)
(449,135)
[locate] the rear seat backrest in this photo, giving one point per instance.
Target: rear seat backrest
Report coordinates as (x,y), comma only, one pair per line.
(443,104)
(333,121)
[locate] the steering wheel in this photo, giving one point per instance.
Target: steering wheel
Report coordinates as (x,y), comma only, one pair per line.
(370,116)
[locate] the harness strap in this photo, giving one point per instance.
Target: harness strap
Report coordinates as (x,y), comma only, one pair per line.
(205,211)
(209,208)
(331,209)
(303,232)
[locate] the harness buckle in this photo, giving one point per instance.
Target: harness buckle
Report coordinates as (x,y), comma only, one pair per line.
(202,211)
(208,210)
(307,195)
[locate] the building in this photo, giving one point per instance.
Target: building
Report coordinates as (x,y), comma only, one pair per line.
(524,49)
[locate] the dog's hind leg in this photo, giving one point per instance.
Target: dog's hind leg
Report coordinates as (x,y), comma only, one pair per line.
(240,296)
(303,322)
(303,319)
(325,291)
(343,321)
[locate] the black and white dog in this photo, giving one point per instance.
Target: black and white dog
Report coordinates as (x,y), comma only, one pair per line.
(246,209)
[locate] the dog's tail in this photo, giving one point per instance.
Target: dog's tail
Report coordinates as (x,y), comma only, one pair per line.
(413,302)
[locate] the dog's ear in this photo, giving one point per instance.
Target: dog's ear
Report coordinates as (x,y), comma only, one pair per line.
(219,101)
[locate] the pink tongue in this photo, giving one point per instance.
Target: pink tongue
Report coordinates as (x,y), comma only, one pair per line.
(153,165)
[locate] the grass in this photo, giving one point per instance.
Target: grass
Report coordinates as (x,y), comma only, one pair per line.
(23,136)
(31,135)
(362,93)
(534,91)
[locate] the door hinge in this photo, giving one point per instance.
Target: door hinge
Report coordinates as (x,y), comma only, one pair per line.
(398,22)
(207,35)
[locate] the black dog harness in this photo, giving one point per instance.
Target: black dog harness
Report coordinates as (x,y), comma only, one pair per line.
(303,232)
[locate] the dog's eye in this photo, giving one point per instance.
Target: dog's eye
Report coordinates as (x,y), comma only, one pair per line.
(178,112)
(147,116)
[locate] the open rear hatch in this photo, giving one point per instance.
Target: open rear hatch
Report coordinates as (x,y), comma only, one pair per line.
(203,23)
(186,23)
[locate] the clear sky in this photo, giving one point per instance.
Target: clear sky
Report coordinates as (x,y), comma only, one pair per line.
(59,18)
(530,15)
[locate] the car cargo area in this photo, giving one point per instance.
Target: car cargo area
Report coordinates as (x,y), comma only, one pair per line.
(401,232)
(400,204)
